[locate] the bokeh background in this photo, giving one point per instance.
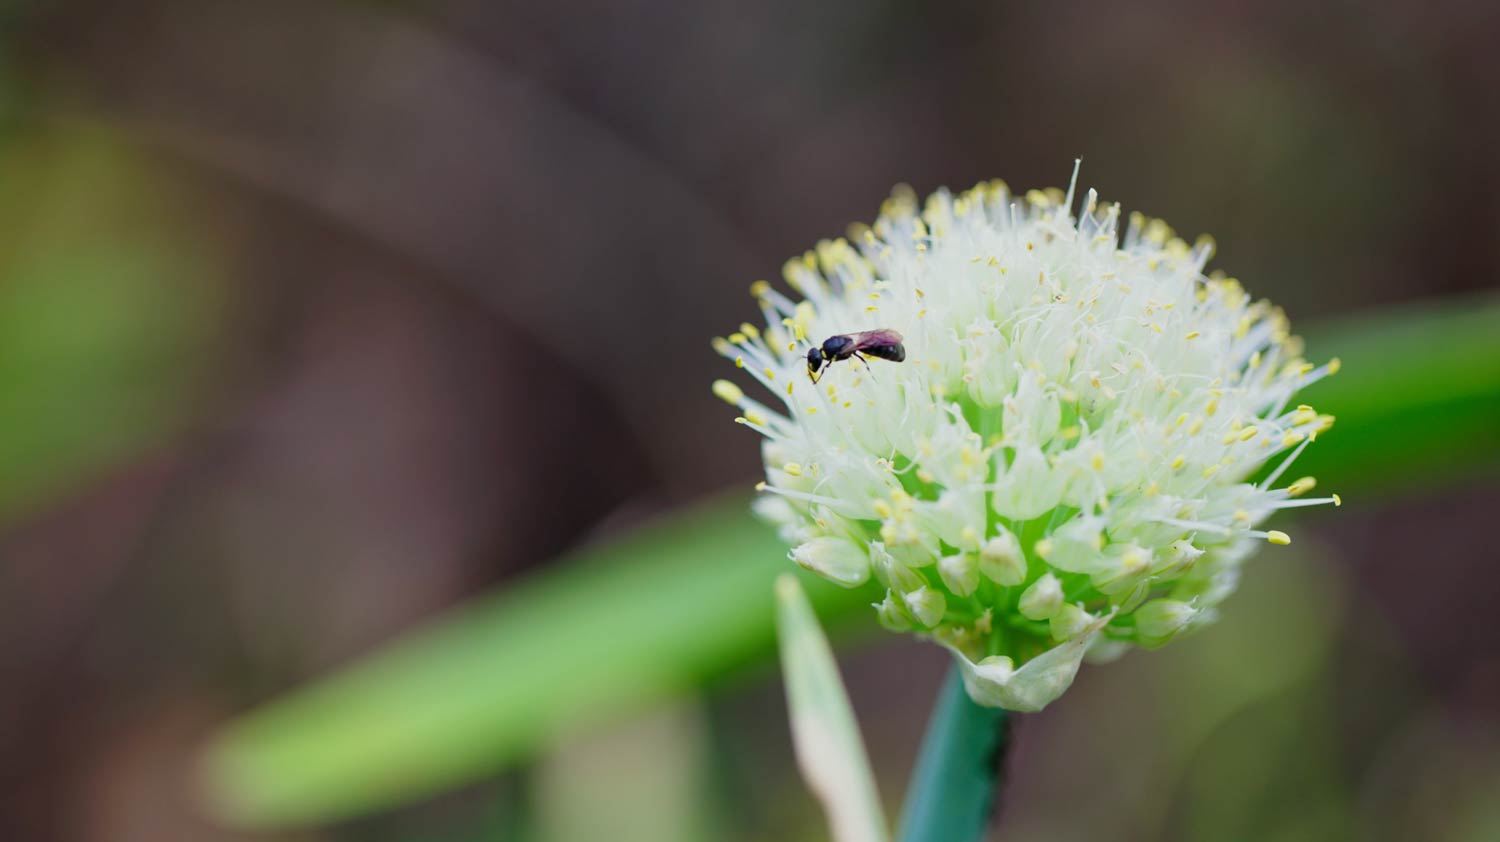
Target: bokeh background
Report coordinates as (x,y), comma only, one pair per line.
(317,318)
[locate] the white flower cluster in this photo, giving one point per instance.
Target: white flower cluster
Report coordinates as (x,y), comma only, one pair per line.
(1071,457)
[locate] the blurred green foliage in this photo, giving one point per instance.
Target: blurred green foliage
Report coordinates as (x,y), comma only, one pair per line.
(106,321)
(656,613)
(1418,400)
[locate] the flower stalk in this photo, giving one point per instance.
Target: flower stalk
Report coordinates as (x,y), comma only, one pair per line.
(959,769)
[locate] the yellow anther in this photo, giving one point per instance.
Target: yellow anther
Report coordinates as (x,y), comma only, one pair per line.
(738,338)
(1304,415)
(770,375)
(792,468)
(926,476)
(1212,407)
(812,410)
(1255,360)
(761,486)
(739,362)
(1241,515)
(1178,462)
(1153,489)
(1195,427)
(1249,432)
(789,386)
(760,289)
(883,509)
(1290,438)
(750,330)
(1193,334)
(1097,462)
(755,418)
(1337,501)
(1334,365)
(720,345)
(728,392)
(1211,470)
(1277,537)
(1044,547)
(1301,486)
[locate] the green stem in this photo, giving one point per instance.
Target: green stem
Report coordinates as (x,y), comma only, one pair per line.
(958,770)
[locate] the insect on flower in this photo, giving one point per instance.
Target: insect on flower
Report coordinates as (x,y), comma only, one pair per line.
(883,343)
(1081,462)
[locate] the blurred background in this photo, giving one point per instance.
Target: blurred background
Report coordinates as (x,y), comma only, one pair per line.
(318,318)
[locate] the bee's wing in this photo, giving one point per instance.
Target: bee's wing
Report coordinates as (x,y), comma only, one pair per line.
(883,336)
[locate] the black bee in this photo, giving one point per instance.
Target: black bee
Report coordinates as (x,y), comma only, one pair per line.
(883,343)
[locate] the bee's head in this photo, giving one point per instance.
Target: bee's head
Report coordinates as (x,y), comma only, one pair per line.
(814,360)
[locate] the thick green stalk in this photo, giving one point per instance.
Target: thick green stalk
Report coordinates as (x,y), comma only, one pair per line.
(958,770)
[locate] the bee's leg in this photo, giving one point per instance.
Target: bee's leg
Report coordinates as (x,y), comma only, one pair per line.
(868,370)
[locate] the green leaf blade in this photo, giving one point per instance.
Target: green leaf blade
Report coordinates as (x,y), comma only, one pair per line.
(615,629)
(830,752)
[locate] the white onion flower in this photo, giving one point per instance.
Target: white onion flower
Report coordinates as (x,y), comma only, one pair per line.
(1074,454)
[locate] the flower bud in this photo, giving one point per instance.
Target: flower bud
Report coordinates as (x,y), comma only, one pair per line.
(1176,558)
(1042,599)
(838,560)
(1029,487)
(926,606)
(1159,620)
(891,571)
(953,516)
(960,573)
(1077,546)
(1070,621)
(892,614)
(1001,560)
(1125,566)
(997,668)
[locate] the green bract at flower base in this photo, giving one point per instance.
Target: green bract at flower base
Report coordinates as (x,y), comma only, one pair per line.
(1059,466)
